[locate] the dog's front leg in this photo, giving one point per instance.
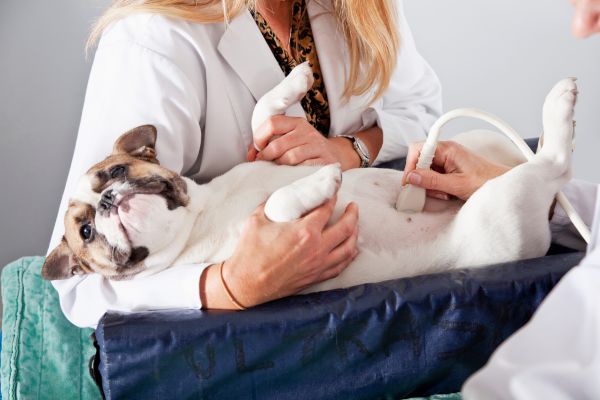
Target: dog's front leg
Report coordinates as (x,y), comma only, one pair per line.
(289,91)
(305,194)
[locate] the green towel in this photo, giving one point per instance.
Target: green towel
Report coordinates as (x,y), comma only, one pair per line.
(44,356)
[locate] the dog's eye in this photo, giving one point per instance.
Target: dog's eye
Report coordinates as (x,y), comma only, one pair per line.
(117,171)
(86,232)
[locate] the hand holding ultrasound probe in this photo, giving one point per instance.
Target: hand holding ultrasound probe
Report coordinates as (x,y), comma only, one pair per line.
(456,170)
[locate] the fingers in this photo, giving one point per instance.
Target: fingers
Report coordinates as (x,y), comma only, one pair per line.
(318,218)
(436,194)
(442,179)
(278,147)
(344,228)
(335,270)
(443,158)
(251,154)
(414,151)
(313,162)
(276,125)
(298,155)
(432,180)
(301,144)
(346,251)
(258,216)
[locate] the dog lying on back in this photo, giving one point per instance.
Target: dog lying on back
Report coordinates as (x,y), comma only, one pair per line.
(131,217)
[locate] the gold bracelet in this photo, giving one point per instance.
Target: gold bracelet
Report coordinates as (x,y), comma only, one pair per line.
(231,298)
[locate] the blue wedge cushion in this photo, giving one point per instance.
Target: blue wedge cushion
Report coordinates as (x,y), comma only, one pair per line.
(409,337)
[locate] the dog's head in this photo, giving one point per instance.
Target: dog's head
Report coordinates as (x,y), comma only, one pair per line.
(125,208)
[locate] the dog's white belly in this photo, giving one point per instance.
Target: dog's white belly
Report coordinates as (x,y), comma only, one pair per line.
(391,244)
(382,228)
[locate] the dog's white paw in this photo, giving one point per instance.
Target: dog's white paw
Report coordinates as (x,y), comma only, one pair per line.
(559,108)
(288,92)
(296,84)
(327,181)
(293,201)
(558,112)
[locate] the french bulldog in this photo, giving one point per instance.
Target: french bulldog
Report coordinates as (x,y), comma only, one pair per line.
(132,217)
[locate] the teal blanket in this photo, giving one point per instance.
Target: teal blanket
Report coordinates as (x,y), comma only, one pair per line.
(43,355)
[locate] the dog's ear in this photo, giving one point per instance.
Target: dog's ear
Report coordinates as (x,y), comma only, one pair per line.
(61,263)
(139,142)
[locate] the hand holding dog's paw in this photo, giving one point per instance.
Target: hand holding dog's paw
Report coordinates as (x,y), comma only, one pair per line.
(273,260)
(294,141)
(295,200)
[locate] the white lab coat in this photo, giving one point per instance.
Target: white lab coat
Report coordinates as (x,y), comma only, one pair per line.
(556,356)
(198,84)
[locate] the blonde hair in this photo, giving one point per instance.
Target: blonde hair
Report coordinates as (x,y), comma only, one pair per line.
(369,27)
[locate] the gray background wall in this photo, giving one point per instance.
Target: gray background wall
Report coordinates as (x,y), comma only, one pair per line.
(502,56)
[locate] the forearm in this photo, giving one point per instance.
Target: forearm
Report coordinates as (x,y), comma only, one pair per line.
(212,291)
(373,138)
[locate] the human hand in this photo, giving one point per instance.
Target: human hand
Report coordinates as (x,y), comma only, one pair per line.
(294,141)
(586,20)
(455,171)
(273,260)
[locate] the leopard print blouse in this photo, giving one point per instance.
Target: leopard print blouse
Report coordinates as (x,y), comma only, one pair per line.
(302,48)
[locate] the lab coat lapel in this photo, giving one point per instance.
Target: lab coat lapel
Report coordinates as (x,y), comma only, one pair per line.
(246,51)
(333,57)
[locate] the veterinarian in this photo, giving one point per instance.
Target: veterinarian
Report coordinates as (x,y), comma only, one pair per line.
(557,354)
(195,69)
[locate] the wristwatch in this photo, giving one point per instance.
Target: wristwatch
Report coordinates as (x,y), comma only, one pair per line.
(361,149)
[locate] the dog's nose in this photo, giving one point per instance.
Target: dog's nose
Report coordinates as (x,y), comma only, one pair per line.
(106,200)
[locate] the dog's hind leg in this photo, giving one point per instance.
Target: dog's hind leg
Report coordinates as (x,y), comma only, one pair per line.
(508,216)
(301,196)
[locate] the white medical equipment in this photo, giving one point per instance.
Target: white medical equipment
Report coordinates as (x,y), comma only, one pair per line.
(412,198)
